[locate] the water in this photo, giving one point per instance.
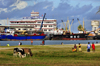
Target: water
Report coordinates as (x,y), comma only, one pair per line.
(48,42)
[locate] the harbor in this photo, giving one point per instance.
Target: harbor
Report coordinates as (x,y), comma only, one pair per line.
(49,33)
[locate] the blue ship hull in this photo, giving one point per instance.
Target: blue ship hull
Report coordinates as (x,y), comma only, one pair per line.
(21,37)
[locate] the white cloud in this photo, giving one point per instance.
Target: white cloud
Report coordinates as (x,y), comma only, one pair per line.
(46,7)
(53,8)
(3,9)
(19,5)
(35,3)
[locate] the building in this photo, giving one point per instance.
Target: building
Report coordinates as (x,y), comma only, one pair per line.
(33,23)
(95,25)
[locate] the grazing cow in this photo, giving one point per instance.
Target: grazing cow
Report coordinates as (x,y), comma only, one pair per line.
(27,51)
(21,52)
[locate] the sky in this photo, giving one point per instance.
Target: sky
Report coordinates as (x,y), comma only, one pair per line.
(54,9)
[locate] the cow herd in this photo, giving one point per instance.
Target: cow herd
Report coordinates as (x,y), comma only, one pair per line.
(22,52)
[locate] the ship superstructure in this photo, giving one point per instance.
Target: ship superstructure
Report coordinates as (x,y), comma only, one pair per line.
(33,23)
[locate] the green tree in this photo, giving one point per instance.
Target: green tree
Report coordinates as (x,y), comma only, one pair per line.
(80,28)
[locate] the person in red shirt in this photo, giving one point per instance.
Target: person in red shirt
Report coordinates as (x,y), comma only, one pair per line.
(93,47)
(31,42)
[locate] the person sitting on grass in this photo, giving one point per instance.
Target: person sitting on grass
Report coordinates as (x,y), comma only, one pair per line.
(75,48)
(8,45)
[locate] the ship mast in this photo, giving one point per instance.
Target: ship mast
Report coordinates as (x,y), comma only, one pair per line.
(68,23)
(83,24)
(7,21)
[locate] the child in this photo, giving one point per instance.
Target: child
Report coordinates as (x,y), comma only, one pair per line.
(80,47)
(88,47)
(93,47)
(75,48)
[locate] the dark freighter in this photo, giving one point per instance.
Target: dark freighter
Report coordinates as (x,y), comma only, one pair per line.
(68,36)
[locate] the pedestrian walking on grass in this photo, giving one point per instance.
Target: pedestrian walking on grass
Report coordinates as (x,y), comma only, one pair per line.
(88,47)
(31,42)
(20,43)
(93,47)
(80,47)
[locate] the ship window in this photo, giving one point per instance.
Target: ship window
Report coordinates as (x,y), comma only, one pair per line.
(45,25)
(50,25)
(35,25)
(24,29)
(99,31)
(78,36)
(71,36)
(74,36)
(30,29)
(17,22)
(50,29)
(94,28)
(39,22)
(45,29)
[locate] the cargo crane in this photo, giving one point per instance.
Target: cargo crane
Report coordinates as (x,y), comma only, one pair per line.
(98,10)
(64,25)
(70,25)
(42,22)
(67,23)
(80,27)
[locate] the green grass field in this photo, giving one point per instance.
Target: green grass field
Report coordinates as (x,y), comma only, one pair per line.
(51,55)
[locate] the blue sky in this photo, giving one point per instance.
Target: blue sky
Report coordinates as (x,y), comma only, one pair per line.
(54,9)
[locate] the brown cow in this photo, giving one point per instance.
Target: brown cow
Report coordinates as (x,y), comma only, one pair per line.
(27,51)
(22,52)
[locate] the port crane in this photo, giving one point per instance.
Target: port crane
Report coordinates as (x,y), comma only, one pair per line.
(98,10)
(80,27)
(64,25)
(68,24)
(42,22)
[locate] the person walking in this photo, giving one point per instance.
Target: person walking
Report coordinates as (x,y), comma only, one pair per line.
(93,47)
(80,47)
(19,43)
(31,42)
(88,47)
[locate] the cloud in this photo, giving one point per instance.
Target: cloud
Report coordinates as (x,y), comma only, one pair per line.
(46,7)
(6,3)
(19,5)
(8,6)
(3,9)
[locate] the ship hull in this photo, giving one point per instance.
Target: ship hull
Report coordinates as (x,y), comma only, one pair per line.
(10,37)
(69,37)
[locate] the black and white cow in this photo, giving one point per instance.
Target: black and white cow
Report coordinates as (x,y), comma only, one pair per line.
(21,52)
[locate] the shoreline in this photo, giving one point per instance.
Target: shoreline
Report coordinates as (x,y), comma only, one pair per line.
(54,46)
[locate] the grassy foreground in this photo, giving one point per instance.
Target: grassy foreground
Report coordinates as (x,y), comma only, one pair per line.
(51,55)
